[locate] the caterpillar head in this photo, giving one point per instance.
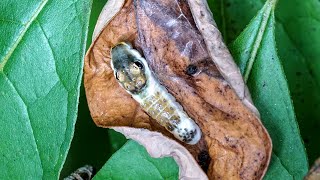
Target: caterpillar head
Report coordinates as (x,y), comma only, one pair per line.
(129,67)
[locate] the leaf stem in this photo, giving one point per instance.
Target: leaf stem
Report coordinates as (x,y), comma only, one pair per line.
(224,28)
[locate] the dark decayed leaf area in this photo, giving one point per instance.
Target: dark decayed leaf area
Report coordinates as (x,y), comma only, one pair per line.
(41,52)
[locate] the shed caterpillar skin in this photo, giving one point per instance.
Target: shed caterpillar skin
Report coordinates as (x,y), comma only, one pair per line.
(133,74)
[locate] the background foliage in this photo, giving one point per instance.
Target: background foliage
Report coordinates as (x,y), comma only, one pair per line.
(282,40)
(42,45)
(296,32)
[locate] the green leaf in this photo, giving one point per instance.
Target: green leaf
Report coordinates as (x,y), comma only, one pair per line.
(298,44)
(256,55)
(277,170)
(232,16)
(91,144)
(132,161)
(298,39)
(42,47)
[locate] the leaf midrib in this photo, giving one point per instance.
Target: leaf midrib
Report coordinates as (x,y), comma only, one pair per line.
(270,5)
(8,55)
(22,34)
(223,17)
(281,163)
(28,117)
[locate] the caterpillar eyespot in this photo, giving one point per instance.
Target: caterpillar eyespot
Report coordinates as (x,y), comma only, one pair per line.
(138,64)
(133,74)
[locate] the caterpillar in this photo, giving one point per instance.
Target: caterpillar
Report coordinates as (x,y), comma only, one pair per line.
(133,74)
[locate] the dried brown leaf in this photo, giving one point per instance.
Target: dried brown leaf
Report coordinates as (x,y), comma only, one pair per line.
(219,52)
(314,173)
(215,96)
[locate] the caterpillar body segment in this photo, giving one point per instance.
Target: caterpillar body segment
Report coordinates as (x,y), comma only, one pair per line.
(133,74)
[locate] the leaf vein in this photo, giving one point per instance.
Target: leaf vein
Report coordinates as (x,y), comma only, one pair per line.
(152,164)
(77,13)
(65,132)
(28,117)
(266,15)
(224,24)
(12,21)
(21,35)
(274,154)
(53,55)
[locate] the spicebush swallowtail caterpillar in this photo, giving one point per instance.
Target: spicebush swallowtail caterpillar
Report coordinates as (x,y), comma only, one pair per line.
(133,74)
